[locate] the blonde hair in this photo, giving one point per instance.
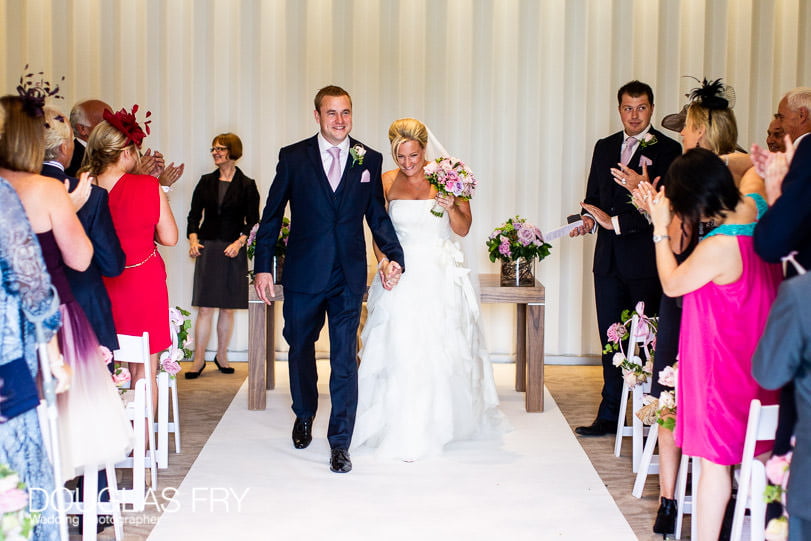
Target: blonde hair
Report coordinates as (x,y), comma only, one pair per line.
(57,131)
(406,129)
(22,145)
(104,146)
(720,127)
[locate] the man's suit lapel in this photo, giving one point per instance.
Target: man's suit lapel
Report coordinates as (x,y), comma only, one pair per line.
(321,177)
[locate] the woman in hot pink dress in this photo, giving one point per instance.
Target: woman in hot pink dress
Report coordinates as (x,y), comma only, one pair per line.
(727,293)
(142,217)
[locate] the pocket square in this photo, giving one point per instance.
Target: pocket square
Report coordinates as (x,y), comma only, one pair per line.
(644,160)
(365,176)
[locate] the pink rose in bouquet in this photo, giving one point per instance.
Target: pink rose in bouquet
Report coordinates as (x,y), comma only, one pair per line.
(450,176)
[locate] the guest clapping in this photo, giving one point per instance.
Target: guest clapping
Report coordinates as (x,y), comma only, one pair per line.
(227,202)
(727,292)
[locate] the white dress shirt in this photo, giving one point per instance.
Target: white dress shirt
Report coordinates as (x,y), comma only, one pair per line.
(326,157)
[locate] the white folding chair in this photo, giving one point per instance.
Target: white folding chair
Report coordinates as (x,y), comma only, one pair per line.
(751,476)
(636,430)
(135,349)
(167,397)
(687,504)
(649,464)
(90,508)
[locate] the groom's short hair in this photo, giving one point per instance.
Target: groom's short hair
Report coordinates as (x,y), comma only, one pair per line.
(635,89)
(332,90)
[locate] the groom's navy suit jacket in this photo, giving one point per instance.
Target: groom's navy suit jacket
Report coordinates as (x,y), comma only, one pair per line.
(629,254)
(108,260)
(325,226)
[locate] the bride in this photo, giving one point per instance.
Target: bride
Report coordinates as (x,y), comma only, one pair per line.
(425,378)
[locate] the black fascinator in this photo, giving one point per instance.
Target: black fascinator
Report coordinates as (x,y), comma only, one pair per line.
(34,93)
(713,95)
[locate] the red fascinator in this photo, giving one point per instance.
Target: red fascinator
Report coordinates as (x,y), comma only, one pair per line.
(124,121)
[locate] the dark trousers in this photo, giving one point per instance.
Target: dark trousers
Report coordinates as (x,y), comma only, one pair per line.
(613,295)
(303,319)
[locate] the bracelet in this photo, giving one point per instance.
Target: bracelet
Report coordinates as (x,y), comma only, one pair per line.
(380,264)
(660,238)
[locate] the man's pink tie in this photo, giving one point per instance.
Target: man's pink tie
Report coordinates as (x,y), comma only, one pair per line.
(628,150)
(334,173)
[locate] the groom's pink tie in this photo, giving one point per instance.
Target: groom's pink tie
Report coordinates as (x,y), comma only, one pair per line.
(334,173)
(628,150)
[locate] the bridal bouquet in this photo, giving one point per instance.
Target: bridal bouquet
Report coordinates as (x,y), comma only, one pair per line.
(450,176)
(634,371)
(16,521)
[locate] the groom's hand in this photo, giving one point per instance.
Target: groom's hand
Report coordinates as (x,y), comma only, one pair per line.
(390,274)
(263,282)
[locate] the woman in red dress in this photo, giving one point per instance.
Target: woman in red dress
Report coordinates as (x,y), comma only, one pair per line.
(142,218)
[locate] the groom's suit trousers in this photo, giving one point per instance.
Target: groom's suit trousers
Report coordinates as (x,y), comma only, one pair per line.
(303,319)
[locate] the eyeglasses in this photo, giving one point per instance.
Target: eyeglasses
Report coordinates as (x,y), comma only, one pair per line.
(219,149)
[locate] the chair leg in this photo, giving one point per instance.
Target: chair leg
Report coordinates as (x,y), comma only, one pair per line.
(89,505)
(621,420)
(757,525)
(175,413)
(681,493)
(694,497)
(115,502)
(163,420)
(638,430)
(645,462)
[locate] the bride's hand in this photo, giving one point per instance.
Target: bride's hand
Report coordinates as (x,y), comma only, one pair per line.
(445,201)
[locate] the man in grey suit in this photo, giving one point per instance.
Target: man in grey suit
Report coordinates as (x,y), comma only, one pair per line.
(783,356)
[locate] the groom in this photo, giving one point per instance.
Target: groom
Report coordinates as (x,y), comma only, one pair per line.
(331,182)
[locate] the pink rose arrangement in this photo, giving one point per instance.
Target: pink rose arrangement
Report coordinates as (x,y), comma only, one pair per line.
(777,471)
(280,248)
(180,327)
(634,370)
(122,377)
(517,238)
(666,408)
(16,521)
(450,176)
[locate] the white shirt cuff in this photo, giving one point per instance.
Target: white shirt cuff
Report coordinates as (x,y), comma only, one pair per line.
(616,221)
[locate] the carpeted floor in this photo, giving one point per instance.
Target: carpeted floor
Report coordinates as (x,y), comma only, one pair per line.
(512,500)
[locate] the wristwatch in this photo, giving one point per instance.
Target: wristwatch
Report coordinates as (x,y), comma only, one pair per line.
(660,238)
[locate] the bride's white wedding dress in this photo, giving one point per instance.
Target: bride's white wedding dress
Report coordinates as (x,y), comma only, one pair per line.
(425,377)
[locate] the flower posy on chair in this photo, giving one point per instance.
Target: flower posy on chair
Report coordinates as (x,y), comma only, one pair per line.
(16,521)
(450,176)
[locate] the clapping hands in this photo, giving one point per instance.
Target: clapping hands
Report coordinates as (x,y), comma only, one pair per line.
(772,167)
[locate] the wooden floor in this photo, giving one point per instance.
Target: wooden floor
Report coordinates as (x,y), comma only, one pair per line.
(575,388)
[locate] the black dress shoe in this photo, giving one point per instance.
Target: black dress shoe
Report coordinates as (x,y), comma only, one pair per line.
(340,462)
(302,432)
(193,375)
(600,427)
(666,517)
(223,369)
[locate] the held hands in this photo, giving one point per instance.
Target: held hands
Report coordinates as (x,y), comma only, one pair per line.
(263,283)
(588,225)
(81,194)
(628,178)
(390,273)
(599,215)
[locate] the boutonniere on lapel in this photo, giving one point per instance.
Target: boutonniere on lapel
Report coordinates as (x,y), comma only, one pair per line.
(357,152)
(648,140)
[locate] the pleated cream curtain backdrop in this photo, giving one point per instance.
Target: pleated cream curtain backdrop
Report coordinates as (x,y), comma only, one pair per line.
(519,89)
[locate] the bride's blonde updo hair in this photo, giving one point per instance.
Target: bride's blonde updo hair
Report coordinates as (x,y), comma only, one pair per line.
(104,146)
(406,129)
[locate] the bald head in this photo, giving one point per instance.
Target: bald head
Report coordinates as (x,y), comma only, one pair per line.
(85,115)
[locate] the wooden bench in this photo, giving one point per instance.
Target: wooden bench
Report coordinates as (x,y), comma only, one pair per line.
(529,303)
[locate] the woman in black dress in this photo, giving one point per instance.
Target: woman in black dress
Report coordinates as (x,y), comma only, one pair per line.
(224,208)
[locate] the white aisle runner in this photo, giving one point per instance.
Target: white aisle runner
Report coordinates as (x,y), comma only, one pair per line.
(250,483)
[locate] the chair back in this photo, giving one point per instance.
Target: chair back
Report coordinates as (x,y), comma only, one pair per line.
(135,349)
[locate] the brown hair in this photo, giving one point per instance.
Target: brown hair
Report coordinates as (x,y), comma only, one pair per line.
(230,141)
(332,90)
(22,145)
(104,146)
